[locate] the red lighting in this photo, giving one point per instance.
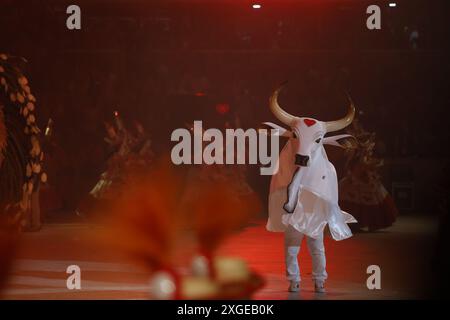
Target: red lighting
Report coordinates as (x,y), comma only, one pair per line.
(222,108)
(200,94)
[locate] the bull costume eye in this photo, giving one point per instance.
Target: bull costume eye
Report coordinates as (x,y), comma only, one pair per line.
(318,140)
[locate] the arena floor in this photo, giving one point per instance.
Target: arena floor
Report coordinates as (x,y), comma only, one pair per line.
(403,253)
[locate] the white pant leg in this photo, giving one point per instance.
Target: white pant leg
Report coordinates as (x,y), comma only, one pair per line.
(317,252)
(292,242)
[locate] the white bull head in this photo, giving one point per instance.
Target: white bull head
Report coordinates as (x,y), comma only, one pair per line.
(307,134)
(306,139)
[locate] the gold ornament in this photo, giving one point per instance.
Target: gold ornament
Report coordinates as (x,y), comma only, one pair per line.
(30,187)
(31,119)
(36,168)
(20,98)
(23,80)
(31,98)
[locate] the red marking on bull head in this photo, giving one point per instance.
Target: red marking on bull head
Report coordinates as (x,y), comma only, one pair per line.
(309,122)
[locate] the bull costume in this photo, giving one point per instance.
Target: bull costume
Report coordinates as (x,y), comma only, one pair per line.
(303,196)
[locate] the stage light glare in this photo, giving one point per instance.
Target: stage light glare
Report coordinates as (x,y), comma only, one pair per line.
(392,4)
(256,6)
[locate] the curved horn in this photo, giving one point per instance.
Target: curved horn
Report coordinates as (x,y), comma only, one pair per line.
(342,123)
(281,115)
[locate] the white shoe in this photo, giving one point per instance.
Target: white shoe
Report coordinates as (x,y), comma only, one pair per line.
(294,286)
(319,286)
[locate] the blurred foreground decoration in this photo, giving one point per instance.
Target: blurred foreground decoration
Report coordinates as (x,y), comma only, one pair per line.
(167,213)
(21,155)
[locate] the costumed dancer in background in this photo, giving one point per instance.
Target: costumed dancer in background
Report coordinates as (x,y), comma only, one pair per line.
(142,144)
(119,146)
(21,155)
(128,152)
(361,190)
(219,173)
(303,195)
(237,175)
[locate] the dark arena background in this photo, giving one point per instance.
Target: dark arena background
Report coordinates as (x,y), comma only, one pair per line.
(96,202)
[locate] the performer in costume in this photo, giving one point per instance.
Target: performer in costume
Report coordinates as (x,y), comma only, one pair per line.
(303,195)
(118,141)
(361,190)
(21,155)
(142,144)
(129,153)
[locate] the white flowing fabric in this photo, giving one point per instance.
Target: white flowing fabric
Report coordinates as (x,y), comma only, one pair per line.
(317,201)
